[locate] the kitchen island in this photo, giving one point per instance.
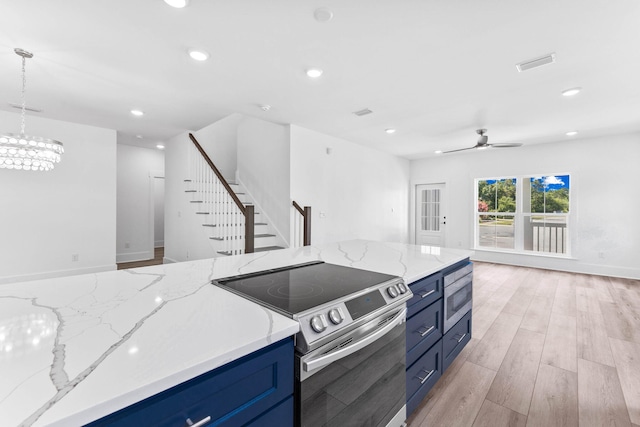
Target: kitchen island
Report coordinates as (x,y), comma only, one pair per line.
(75,349)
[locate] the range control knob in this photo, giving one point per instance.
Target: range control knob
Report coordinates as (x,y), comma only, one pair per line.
(318,323)
(335,316)
(403,288)
(392,291)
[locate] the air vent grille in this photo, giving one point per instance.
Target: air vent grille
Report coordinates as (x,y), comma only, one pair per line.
(363,112)
(537,62)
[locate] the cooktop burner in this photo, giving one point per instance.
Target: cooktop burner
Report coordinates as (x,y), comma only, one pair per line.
(298,288)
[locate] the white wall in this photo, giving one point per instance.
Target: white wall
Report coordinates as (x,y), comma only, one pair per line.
(136,201)
(158,217)
(603,196)
(47,217)
(363,193)
(219,140)
(263,168)
(184,237)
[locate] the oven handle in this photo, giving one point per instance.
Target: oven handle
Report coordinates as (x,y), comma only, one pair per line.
(323,361)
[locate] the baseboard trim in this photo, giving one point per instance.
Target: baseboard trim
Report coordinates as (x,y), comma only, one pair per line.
(134,256)
(56,274)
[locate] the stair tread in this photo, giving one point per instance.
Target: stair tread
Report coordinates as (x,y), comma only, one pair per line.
(231,225)
(268,248)
(239,237)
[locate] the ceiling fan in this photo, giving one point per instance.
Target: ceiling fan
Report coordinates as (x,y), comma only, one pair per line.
(483,143)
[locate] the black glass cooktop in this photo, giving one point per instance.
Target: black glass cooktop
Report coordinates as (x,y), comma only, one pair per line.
(300,287)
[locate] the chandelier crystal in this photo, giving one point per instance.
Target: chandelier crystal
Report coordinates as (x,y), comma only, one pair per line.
(24,152)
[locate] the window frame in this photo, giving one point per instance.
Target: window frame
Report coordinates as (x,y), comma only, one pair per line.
(520,216)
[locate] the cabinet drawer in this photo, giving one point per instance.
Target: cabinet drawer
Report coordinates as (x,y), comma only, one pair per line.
(425,291)
(456,338)
(423,330)
(231,395)
(279,416)
(422,375)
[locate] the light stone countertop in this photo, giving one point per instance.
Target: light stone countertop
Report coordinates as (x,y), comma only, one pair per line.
(74,349)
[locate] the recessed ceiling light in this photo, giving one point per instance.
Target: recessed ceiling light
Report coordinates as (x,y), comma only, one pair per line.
(572,91)
(177,3)
(160,147)
(137,113)
(314,73)
(572,133)
(198,55)
(390,131)
(438,151)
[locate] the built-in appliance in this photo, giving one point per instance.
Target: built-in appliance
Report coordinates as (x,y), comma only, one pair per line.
(350,351)
(458,295)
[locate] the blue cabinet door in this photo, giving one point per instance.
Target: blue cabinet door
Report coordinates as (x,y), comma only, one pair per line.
(232,395)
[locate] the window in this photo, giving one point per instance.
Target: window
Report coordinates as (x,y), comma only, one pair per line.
(524,214)
(496,213)
(430,212)
(546,212)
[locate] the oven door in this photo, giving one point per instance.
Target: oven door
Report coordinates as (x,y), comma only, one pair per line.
(355,380)
(457,300)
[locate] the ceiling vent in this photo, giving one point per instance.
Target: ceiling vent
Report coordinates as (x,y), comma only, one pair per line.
(537,62)
(363,112)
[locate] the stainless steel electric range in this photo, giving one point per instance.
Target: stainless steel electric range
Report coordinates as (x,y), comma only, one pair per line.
(350,351)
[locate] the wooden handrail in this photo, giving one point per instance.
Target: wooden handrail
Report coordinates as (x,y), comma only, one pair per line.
(306,227)
(248,211)
(298,208)
(219,175)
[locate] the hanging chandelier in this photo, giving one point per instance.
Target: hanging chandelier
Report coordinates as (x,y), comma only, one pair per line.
(24,152)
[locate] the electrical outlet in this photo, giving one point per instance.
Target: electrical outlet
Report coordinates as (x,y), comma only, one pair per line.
(127,245)
(323,214)
(75,257)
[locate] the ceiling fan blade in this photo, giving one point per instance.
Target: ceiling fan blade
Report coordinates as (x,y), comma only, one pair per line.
(506,144)
(460,149)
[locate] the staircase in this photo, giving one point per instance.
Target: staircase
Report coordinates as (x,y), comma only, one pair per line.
(221,224)
(230,220)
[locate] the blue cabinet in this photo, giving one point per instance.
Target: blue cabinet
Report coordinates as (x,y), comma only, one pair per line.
(429,353)
(256,390)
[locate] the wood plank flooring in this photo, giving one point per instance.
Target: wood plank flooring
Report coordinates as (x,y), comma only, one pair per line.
(548,349)
(157,260)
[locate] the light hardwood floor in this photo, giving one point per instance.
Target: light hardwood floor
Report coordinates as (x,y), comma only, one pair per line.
(548,349)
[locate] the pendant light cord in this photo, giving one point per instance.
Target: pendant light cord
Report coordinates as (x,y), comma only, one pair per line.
(24,103)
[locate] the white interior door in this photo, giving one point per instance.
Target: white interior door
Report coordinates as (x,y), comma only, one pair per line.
(431,218)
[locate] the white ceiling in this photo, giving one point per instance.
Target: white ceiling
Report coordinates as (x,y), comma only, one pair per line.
(435,70)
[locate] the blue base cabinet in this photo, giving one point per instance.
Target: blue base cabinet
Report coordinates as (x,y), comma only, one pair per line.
(429,350)
(255,390)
